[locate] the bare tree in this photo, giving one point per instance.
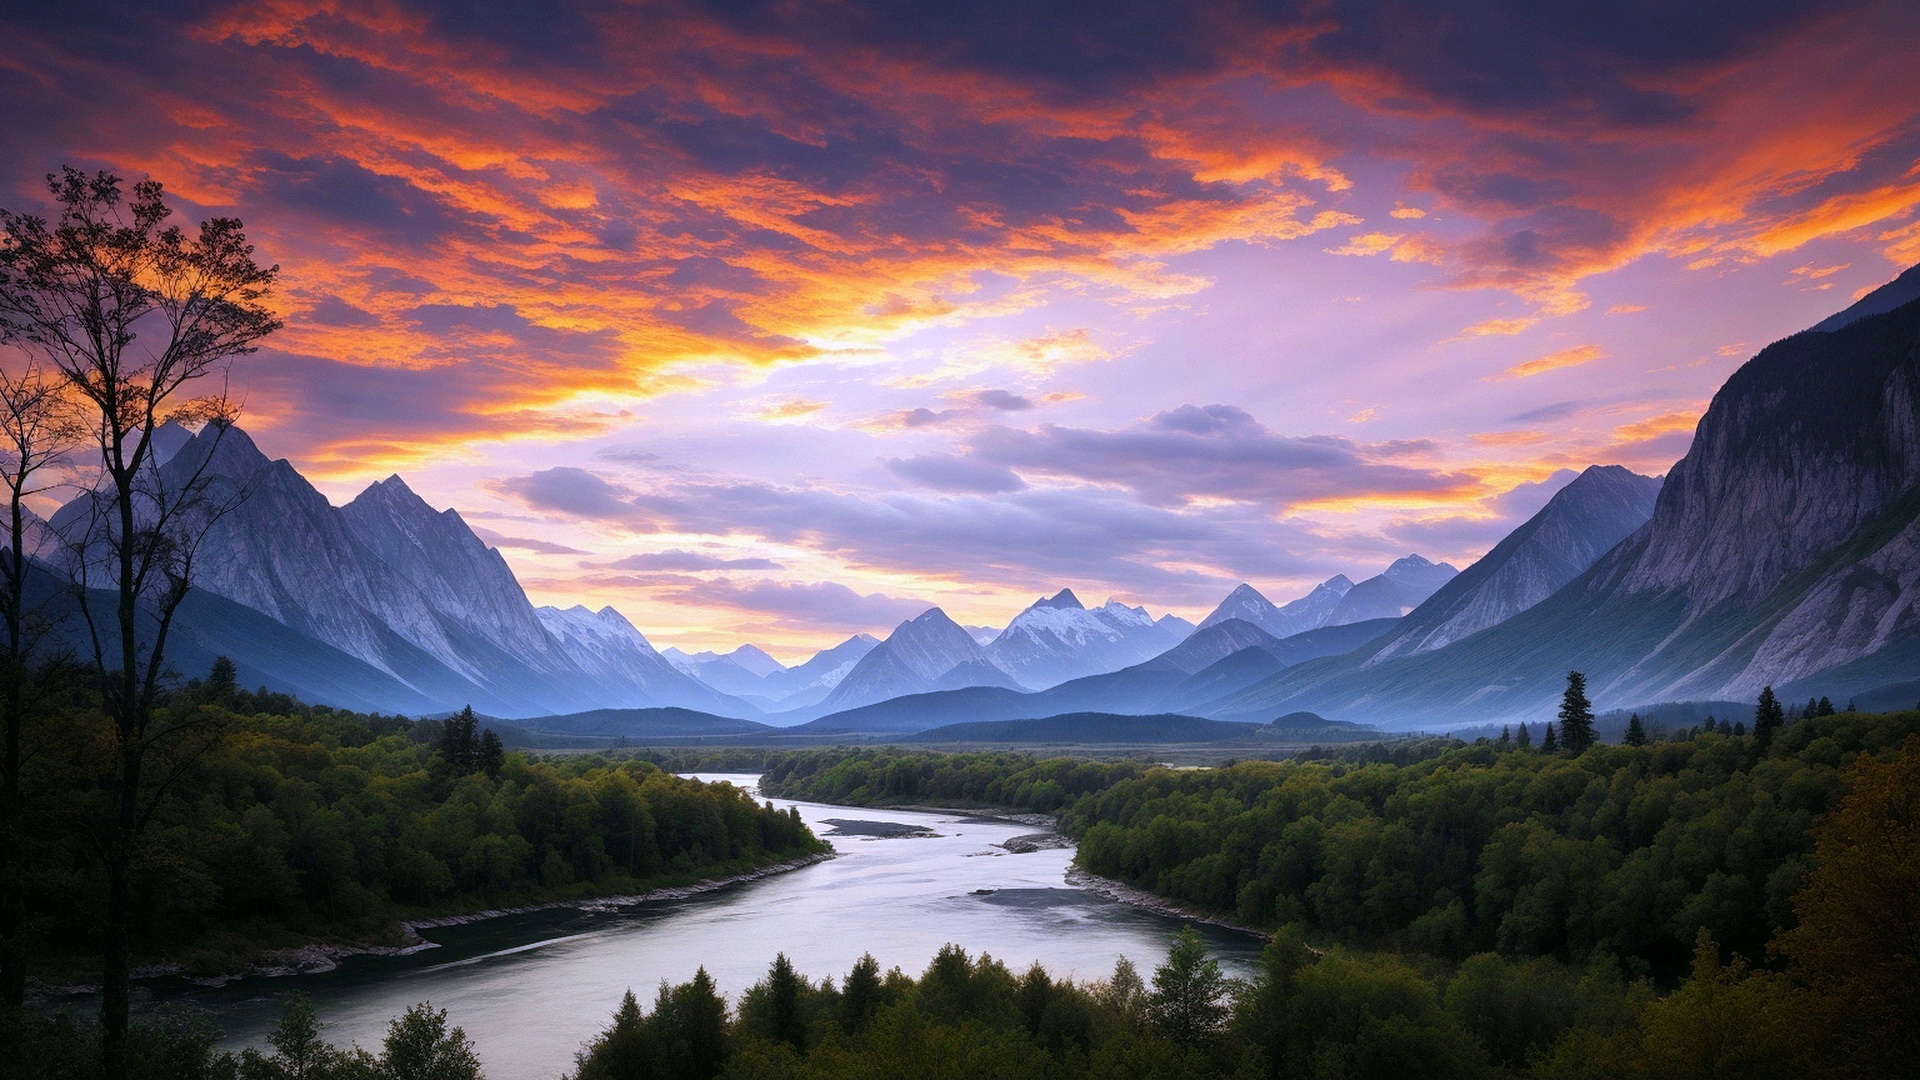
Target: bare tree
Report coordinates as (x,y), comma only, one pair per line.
(132,312)
(37,426)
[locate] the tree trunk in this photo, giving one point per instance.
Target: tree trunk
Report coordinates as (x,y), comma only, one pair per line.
(129,714)
(116,980)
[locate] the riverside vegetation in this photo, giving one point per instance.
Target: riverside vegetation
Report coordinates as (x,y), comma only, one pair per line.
(290,825)
(1693,908)
(1834,996)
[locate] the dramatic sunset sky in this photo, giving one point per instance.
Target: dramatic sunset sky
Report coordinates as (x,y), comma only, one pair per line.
(781,321)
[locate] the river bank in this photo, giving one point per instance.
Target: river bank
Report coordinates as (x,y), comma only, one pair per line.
(1051,837)
(319,957)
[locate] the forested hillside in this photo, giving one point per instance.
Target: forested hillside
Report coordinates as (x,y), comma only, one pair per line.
(1622,853)
(300,824)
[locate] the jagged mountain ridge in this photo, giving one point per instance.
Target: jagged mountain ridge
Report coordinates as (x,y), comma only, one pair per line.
(403,588)
(1057,638)
(911,660)
(1583,521)
(1301,614)
(1784,549)
(1393,592)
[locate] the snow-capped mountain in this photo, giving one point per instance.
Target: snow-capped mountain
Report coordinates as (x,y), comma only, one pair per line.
(608,647)
(1057,639)
(912,660)
(1300,615)
(393,583)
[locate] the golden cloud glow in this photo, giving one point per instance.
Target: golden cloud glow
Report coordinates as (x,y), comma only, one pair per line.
(1565,358)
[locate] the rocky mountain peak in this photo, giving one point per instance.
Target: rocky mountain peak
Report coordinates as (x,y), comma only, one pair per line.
(1063,600)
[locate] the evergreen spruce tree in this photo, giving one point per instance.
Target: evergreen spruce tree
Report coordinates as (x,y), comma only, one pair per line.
(1767,719)
(625,1051)
(1576,715)
(1826,707)
(1506,737)
(1550,743)
(860,994)
(1523,738)
(492,754)
(1636,735)
(1725,728)
(783,993)
(458,744)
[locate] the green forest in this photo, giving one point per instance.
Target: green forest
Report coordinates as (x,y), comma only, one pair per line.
(1836,996)
(290,824)
(1621,853)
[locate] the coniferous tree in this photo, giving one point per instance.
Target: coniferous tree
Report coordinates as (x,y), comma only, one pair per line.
(458,745)
(625,1051)
(1506,737)
(1576,715)
(1767,719)
(1523,738)
(1812,709)
(1725,728)
(491,756)
(783,992)
(1186,1003)
(1550,743)
(1636,735)
(860,994)
(1826,707)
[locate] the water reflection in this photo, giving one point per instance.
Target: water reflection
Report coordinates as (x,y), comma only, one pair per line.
(531,988)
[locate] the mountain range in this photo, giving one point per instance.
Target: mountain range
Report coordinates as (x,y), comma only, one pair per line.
(1783,549)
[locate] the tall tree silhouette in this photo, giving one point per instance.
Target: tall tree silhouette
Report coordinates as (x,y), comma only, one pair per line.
(1576,715)
(133,312)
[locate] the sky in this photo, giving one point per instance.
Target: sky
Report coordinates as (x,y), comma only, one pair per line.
(778,322)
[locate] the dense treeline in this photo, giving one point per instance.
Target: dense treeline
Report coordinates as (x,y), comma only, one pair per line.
(299,823)
(1622,852)
(1843,1003)
(883,775)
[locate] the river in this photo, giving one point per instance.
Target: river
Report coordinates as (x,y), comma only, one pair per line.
(530,989)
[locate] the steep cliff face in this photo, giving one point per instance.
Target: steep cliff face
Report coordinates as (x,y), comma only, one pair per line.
(1582,522)
(1783,549)
(407,590)
(1789,528)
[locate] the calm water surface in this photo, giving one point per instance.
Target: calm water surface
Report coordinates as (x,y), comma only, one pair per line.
(531,989)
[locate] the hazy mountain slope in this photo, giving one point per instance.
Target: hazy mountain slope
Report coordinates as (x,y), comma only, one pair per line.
(909,661)
(1392,593)
(1215,642)
(1582,522)
(1152,686)
(1308,612)
(1785,544)
(1095,728)
(807,683)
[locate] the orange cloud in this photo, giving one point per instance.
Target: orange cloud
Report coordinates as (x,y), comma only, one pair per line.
(1565,358)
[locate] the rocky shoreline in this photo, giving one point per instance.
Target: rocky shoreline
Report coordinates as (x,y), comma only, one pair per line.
(1146,901)
(315,958)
